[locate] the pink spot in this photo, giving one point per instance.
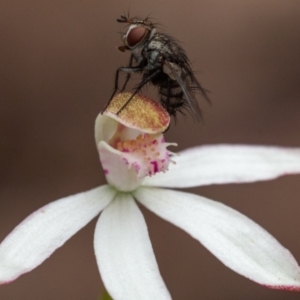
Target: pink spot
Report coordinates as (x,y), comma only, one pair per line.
(105,171)
(155,166)
(289,288)
(6,282)
(289,173)
(154,142)
(136,166)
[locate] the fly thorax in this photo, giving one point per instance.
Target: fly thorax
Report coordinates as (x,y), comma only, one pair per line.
(156,45)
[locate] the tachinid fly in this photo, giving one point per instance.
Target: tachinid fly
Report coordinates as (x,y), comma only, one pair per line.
(164,63)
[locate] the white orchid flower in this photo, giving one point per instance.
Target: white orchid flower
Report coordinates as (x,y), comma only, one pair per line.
(136,162)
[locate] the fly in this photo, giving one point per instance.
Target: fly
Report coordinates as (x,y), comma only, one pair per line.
(164,63)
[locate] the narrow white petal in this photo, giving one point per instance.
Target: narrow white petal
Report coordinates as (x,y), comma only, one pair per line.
(220,164)
(48,228)
(237,241)
(124,253)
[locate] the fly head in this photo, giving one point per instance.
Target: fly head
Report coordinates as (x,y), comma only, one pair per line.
(137,33)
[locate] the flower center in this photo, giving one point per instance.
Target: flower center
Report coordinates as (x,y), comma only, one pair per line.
(147,154)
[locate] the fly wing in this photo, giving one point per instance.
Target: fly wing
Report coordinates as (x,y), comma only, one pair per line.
(176,74)
(202,90)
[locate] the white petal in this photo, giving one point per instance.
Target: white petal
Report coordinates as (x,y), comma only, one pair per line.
(48,228)
(220,164)
(105,128)
(124,253)
(118,171)
(237,241)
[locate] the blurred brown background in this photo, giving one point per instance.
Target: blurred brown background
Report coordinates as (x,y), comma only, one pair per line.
(57,62)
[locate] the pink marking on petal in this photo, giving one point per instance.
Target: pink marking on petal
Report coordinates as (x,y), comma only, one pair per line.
(155,166)
(136,166)
(105,171)
(10,281)
(125,160)
(289,288)
(290,173)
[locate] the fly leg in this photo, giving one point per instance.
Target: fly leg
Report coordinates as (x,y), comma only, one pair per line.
(139,87)
(128,74)
(116,87)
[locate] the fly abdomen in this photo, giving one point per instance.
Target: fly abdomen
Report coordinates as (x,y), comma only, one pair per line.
(171,98)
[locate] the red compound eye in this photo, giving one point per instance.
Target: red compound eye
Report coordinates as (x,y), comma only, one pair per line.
(136,35)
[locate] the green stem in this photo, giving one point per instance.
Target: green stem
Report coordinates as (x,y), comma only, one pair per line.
(105,296)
